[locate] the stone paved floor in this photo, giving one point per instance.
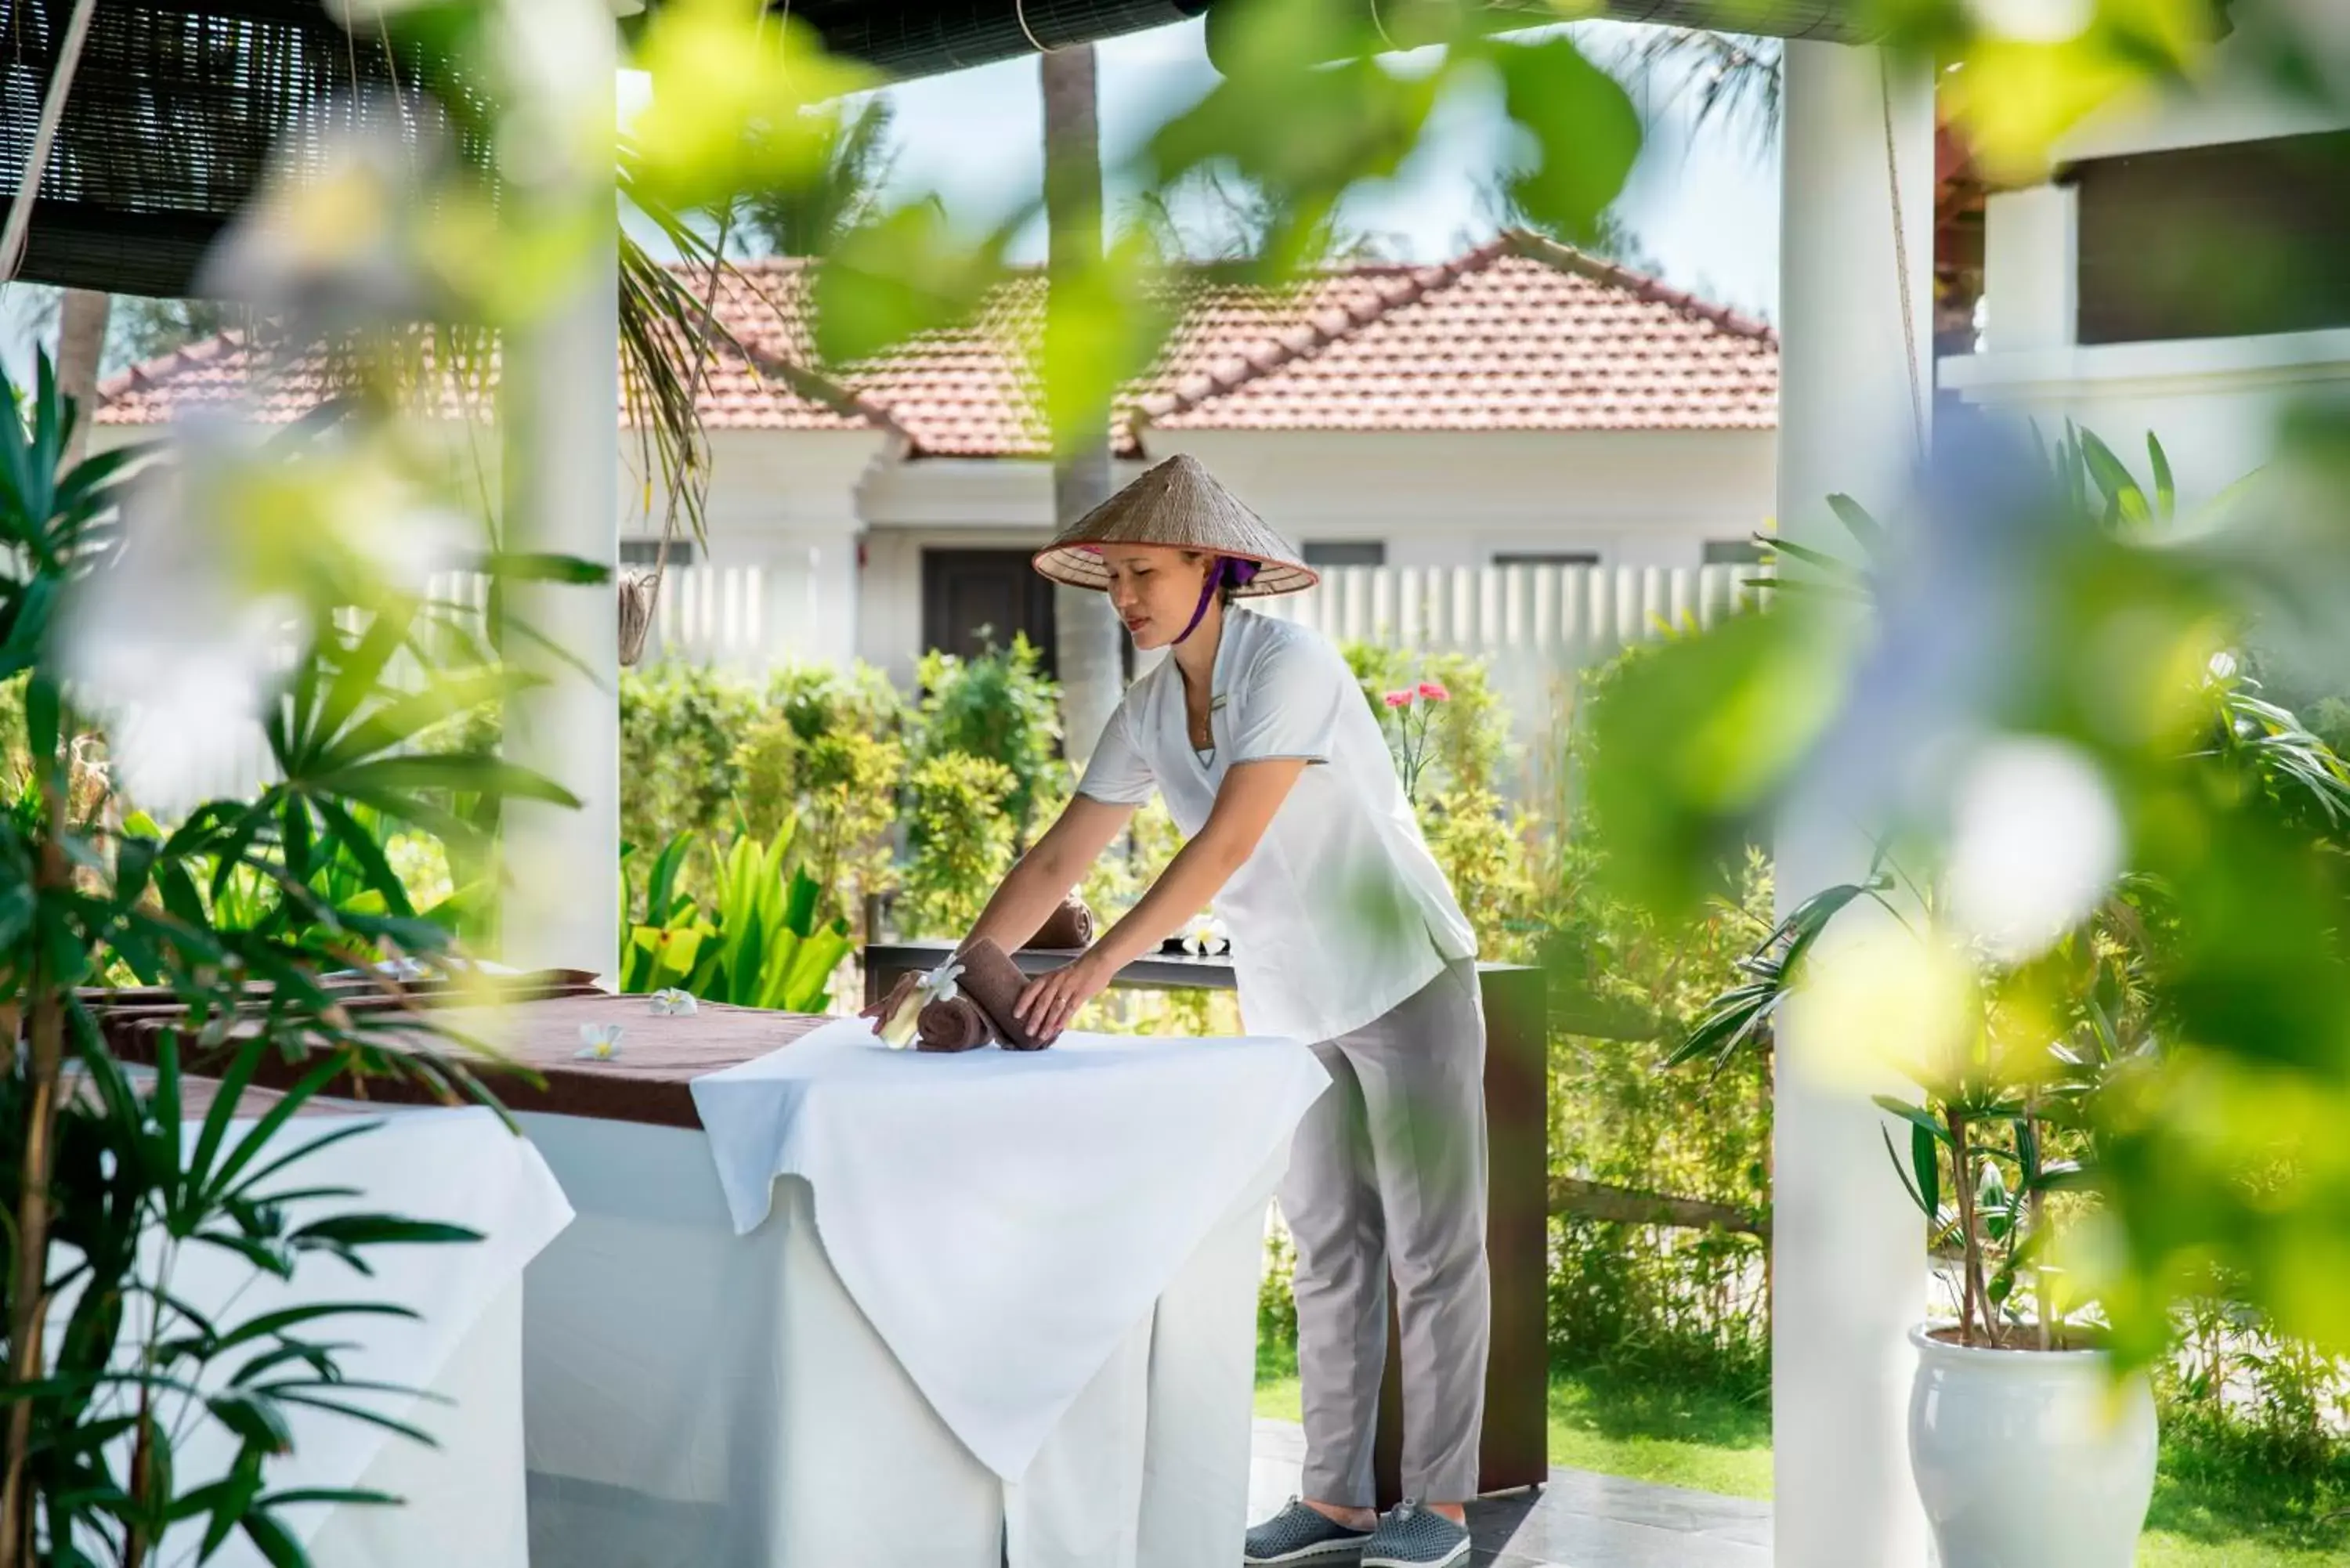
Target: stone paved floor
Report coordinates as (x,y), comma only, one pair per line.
(1580,1521)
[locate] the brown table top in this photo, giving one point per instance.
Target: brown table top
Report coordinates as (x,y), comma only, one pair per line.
(197,1097)
(648,1081)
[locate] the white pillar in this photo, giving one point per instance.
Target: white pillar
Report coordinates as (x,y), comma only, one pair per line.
(1848,1261)
(2031,265)
(559,401)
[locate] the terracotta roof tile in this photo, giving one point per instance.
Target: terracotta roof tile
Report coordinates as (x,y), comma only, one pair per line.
(1519,334)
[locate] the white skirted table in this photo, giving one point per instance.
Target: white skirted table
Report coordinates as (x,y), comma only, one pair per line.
(828,1303)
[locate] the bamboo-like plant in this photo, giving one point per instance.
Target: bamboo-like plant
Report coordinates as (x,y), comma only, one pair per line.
(107,1174)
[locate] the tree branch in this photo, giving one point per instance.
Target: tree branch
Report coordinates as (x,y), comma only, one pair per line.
(1574,1196)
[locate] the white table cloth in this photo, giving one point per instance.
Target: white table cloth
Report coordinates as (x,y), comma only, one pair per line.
(1005,1218)
(1066,1243)
(465,1497)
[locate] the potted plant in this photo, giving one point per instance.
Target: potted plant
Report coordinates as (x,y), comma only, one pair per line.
(2043,1111)
(2025,1446)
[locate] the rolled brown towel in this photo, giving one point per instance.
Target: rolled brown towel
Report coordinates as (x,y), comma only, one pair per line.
(957,1024)
(1070,926)
(995,982)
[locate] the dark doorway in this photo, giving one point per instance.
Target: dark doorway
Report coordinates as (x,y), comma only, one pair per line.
(974,598)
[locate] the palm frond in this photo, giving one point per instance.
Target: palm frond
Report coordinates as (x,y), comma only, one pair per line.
(807,219)
(1728,77)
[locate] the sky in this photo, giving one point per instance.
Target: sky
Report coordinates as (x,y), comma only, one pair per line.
(1704,204)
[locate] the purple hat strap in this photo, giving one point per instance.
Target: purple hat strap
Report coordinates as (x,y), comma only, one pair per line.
(1229,572)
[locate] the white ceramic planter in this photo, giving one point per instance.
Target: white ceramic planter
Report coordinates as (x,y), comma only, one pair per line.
(2029,1460)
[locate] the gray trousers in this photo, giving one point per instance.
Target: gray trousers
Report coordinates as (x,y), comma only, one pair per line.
(1388,1176)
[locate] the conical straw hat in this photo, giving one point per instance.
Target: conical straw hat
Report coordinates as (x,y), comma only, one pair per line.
(1177,503)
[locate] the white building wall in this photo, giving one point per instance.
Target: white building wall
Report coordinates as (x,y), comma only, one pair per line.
(1430,499)
(2213,402)
(783,501)
(1635,498)
(814,538)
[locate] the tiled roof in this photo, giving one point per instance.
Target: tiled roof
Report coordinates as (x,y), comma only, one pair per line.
(1519,334)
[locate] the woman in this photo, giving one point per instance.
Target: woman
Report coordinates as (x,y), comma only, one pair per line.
(1345,935)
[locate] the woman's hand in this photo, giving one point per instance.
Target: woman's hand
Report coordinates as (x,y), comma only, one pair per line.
(1048,1002)
(880,1012)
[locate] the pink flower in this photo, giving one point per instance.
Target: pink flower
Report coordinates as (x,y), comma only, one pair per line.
(1399,699)
(1434,692)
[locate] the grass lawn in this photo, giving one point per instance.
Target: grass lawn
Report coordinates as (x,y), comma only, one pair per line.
(2217,1503)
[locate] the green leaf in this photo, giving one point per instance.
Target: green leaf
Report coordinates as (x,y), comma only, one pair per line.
(1838,569)
(1865,530)
(358,672)
(901,274)
(401,720)
(274,1541)
(799,910)
(1691,741)
(2114,480)
(42,718)
(362,846)
(254,1421)
(1585,131)
(1908,1186)
(382,1230)
(2166,487)
(1928,1168)
(454,772)
(1106,319)
(1917,1116)
(524,566)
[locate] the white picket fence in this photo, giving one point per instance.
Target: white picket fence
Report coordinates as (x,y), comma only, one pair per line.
(1532,627)
(1559,616)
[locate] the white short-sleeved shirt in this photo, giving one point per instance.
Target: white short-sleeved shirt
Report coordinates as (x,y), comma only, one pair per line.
(1340,914)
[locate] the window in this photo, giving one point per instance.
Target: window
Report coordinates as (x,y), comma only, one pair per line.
(2228,241)
(1735,553)
(1325,553)
(1546,558)
(642,552)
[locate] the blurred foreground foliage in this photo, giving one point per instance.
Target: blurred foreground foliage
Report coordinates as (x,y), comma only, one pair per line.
(2056,601)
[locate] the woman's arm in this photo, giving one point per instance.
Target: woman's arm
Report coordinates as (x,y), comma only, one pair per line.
(1245,804)
(1034,888)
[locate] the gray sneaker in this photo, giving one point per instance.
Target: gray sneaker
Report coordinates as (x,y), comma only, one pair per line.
(1413,1537)
(1302,1534)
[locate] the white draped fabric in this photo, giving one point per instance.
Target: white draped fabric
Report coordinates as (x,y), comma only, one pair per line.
(1005,1219)
(1092,1219)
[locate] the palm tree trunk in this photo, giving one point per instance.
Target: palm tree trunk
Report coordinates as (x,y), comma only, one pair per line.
(1085,630)
(82,317)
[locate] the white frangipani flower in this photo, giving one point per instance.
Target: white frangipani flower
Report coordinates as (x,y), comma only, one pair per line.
(600,1042)
(1204,937)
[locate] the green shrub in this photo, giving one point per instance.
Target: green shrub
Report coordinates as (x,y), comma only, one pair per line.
(999,706)
(962,836)
(1624,989)
(707,752)
(849,810)
(817,701)
(1482,842)
(681,725)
